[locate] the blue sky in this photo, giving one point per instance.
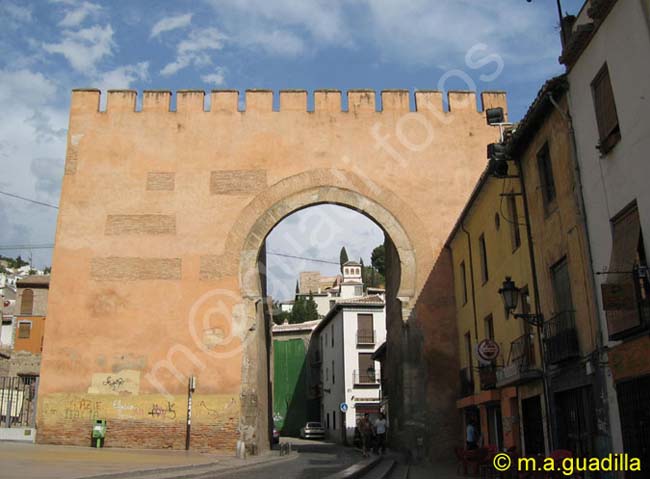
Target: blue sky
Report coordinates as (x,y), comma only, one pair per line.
(49,47)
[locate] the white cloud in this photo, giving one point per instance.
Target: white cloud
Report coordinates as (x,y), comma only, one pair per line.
(24,88)
(32,149)
(171,23)
(279,42)
(122,77)
(321,20)
(78,14)
(217,78)
(194,50)
(84,48)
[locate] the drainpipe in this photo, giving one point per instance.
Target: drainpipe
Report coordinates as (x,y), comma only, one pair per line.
(538,309)
(471,276)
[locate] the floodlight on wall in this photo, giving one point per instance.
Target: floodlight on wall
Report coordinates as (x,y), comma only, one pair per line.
(495,116)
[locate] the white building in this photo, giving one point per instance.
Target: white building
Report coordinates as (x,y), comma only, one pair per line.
(347,337)
(7,304)
(608,61)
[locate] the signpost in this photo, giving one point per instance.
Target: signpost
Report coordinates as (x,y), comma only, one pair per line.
(488,350)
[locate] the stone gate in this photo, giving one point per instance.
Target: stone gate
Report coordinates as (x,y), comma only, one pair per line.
(159,257)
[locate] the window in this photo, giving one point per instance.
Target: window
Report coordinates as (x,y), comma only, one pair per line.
(484,264)
(562,286)
(546,181)
(365,329)
(468,349)
(24,329)
(327,374)
(333,374)
(334,420)
(605,106)
(515,233)
(366,368)
(27,302)
(463,280)
(332,334)
(489,326)
(328,420)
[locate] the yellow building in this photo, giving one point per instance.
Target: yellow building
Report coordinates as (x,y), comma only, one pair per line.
(504,396)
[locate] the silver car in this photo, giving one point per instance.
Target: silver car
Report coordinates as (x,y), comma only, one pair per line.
(312,430)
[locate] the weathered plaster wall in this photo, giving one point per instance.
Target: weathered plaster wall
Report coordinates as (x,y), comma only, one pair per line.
(163,214)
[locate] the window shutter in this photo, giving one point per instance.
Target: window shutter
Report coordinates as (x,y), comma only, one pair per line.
(606,115)
(27,302)
(619,292)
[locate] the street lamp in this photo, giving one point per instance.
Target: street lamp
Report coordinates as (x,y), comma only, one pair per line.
(510,295)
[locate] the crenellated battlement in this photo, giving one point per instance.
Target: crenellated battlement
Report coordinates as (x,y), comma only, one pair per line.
(262,101)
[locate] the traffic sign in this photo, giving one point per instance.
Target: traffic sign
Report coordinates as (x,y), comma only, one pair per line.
(344,407)
(488,350)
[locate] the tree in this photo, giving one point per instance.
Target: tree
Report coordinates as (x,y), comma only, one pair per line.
(343,257)
(378,259)
(304,309)
(297,287)
(311,309)
(47,270)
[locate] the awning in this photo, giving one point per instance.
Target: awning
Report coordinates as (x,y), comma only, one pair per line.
(367,408)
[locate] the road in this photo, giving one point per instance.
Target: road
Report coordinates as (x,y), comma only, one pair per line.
(316,459)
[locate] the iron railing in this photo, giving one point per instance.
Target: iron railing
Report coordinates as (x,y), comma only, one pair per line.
(466,382)
(365,377)
(18,401)
(365,337)
(487,374)
(561,337)
(522,352)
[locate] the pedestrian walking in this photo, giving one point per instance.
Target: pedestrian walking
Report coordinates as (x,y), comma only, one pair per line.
(380,432)
(472,435)
(365,430)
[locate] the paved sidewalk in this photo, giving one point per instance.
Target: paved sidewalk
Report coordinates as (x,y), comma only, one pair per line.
(38,461)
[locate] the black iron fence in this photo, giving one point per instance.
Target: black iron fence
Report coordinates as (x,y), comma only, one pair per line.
(365,377)
(18,401)
(561,337)
(487,374)
(365,337)
(522,352)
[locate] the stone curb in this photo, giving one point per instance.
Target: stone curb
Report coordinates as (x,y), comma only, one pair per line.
(189,470)
(356,470)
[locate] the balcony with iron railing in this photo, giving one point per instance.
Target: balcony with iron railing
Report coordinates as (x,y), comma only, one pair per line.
(365,337)
(487,374)
(561,338)
(466,382)
(521,366)
(366,378)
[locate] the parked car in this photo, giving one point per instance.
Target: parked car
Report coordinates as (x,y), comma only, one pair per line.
(312,430)
(276,436)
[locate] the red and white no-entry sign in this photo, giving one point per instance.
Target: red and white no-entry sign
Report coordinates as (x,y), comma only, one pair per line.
(488,350)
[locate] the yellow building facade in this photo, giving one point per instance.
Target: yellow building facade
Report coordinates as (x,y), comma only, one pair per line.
(488,244)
